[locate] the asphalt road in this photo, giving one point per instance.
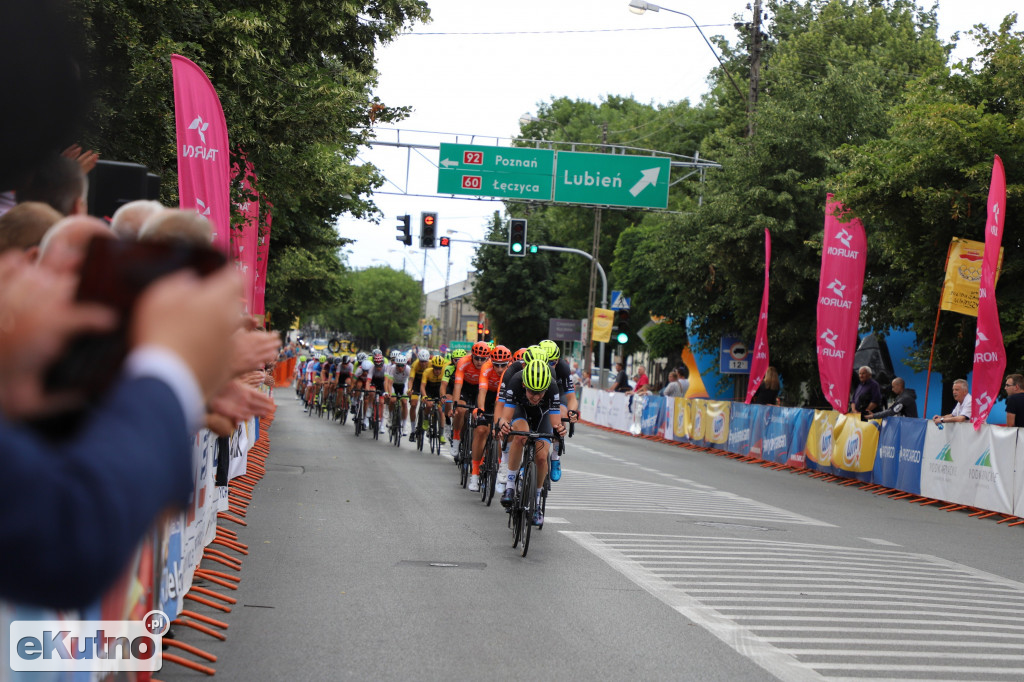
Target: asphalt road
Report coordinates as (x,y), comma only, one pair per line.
(656,563)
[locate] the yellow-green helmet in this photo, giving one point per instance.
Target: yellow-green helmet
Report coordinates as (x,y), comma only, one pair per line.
(551,348)
(537,376)
(458,353)
(535,352)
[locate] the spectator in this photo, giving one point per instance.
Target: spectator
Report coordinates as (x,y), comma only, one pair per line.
(1014,400)
(868,395)
(962,410)
(129,218)
(64,245)
(59,182)
(23,226)
(674,388)
(173,224)
(905,404)
(768,392)
(642,380)
(621,384)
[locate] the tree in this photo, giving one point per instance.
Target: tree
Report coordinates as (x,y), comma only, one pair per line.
(384,309)
(927,182)
(516,293)
(295,79)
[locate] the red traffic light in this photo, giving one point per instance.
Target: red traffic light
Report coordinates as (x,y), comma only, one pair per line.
(446,241)
(428,219)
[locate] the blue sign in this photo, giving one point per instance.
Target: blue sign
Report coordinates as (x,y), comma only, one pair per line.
(734,357)
(739,428)
(428,329)
(653,416)
(619,302)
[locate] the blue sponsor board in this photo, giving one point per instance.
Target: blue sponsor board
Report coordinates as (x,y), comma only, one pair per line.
(799,430)
(887,463)
(912,432)
(652,418)
(776,439)
(759,418)
(739,428)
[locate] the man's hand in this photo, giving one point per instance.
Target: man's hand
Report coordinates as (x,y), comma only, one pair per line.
(238,402)
(560,429)
(506,428)
(251,350)
(195,319)
(38,316)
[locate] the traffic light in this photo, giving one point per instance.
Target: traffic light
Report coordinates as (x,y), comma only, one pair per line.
(517,237)
(428,230)
(533,248)
(623,327)
(403,230)
(445,241)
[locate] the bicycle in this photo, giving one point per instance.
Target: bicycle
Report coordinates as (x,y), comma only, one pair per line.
(489,464)
(360,408)
(395,422)
(436,423)
(464,457)
(331,407)
(525,501)
(341,413)
(375,414)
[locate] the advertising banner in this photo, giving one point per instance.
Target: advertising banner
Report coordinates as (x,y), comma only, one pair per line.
(785,435)
(760,415)
(202,146)
(855,444)
(1018,480)
(887,462)
(653,415)
(971,468)
(798,437)
(739,428)
(716,424)
(681,418)
(262,254)
(759,363)
(696,418)
(602,327)
(244,240)
(821,440)
(588,404)
(618,413)
(912,435)
(963,275)
(843,257)
(989,353)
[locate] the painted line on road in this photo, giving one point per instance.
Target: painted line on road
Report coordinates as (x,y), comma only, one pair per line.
(878,541)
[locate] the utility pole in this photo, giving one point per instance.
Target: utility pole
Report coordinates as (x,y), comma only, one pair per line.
(755,67)
(592,291)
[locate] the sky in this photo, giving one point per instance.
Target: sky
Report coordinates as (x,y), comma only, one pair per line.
(479,65)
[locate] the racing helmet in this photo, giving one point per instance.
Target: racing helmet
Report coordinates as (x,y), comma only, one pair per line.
(423,355)
(437,361)
(551,348)
(518,355)
(535,353)
(481,349)
(360,356)
(401,360)
(501,355)
(458,353)
(537,376)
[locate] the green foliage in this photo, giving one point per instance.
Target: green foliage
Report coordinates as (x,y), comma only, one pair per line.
(384,308)
(517,293)
(295,78)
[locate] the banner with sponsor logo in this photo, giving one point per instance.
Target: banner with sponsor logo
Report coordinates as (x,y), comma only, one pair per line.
(759,418)
(898,460)
(202,145)
(1018,479)
(244,239)
(588,404)
(970,467)
(739,428)
(821,440)
(262,254)
(716,425)
(653,415)
(696,418)
(681,418)
(785,434)
(856,442)
(843,257)
(989,353)
(963,275)
(759,363)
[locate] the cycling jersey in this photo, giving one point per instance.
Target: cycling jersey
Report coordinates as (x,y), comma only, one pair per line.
(467,380)
(399,374)
(514,395)
(417,369)
(430,377)
(490,378)
(563,375)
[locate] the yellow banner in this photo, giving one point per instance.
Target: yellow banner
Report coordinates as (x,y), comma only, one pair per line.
(716,426)
(602,325)
(682,409)
(696,418)
(471,328)
(963,275)
(855,444)
(821,437)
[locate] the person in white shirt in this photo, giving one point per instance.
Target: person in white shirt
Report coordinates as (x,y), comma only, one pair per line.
(962,411)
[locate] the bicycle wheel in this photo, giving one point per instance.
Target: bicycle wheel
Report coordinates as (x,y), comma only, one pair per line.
(359,417)
(516,511)
(491,459)
(375,421)
(435,433)
(529,502)
(343,411)
(396,424)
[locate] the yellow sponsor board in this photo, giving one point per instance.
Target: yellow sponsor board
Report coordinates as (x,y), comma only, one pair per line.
(602,329)
(471,329)
(696,418)
(963,276)
(855,442)
(716,422)
(821,437)
(682,407)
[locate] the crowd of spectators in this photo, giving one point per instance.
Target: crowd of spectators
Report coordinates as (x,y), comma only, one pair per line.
(74,504)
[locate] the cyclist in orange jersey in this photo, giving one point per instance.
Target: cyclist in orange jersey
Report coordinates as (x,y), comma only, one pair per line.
(465,387)
(487,393)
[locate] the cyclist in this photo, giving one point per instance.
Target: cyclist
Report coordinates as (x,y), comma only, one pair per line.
(487,393)
(447,384)
(313,371)
(430,385)
(344,380)
(364,377)
(530,396)
(396,379)
(465,388)
(420,365)
(570,405)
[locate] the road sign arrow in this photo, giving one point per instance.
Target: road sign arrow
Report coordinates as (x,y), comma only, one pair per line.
(448,163)
(650,177)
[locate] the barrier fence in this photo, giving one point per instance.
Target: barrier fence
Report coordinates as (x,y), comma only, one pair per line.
(981,469)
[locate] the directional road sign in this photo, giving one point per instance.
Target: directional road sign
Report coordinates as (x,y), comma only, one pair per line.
(620,302)
(477,170)
(612,179)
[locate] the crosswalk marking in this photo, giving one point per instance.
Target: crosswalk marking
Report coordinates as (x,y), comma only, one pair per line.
(584,491)
(816,612)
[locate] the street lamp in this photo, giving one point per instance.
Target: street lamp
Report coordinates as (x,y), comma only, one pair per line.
(640,6)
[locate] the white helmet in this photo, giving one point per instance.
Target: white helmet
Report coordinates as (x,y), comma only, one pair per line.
(367,365)
(400,359)
(392,355)
(424,355)
(360,356)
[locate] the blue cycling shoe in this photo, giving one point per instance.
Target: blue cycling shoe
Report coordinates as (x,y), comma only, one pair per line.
(556,470)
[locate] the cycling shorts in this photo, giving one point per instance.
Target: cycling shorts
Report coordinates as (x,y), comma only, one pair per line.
(432,391)
(469,394)
(543,425)
(398,388)
(488,408)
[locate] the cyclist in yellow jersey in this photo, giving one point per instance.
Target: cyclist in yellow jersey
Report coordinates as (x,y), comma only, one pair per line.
(421,363)
(430,387)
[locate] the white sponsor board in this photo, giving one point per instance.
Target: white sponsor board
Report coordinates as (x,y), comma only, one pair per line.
(588,404)
(971,468)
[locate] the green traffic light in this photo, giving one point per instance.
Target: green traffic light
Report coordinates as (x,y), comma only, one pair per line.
(623,337)
(517,247)
(533,248)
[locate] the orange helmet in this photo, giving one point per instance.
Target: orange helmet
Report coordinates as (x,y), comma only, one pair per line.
(518,355)
(482,349)
(501,355)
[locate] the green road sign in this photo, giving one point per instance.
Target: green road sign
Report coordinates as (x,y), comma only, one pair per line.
(512,172)
(612,179)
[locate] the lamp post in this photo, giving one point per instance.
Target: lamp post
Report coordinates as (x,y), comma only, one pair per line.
(640,6)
